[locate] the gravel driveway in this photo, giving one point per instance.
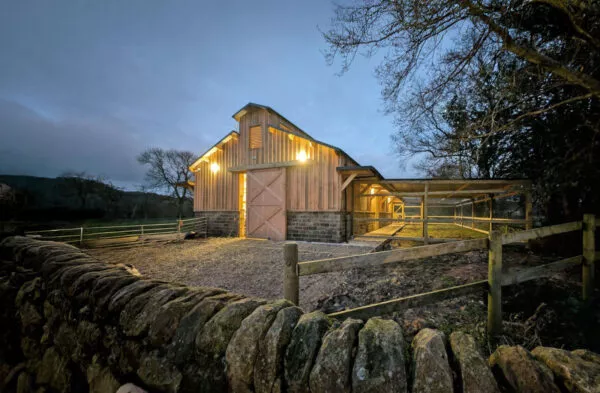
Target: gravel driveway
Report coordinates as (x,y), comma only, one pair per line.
(248,266)
(255,267)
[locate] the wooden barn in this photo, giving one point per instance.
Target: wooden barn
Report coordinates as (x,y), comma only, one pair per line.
(273,180)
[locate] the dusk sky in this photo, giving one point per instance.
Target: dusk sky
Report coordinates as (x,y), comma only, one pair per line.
(87,85)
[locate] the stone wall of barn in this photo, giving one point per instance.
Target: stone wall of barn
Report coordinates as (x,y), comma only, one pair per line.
(71,323)
(327,227)
(221,223)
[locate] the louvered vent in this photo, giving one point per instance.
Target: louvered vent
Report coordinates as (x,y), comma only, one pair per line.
(255,137)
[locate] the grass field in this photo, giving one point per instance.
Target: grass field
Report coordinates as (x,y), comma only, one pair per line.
(436,231)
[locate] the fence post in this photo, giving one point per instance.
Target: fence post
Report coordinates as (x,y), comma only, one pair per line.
(141,230)
(589,254)
(291,281)
(80,236)
(494,321)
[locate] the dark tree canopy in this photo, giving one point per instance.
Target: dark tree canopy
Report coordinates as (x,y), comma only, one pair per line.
(489,88)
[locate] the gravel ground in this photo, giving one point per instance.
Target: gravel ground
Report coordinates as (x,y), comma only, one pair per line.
(255,267)
(248,266)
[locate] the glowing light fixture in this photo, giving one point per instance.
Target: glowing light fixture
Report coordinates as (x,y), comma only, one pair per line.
(372,191)
(301,156)
(214,167)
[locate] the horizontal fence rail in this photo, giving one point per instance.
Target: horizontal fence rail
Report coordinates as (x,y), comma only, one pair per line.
(443,220)
(540,271)
(416,239)
(413,301)
(497,278)
(538,233)
(387,257)
(126,232)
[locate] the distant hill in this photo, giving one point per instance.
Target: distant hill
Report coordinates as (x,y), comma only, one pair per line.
(42,199)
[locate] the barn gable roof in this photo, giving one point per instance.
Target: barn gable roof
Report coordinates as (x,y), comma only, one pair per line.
(251,105)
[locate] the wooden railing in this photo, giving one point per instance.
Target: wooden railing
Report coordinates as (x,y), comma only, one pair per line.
(494,283)
(86,235)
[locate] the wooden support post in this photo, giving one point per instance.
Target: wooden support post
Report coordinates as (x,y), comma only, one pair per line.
(291,281)
(528,210)
(491,207)
(421,216)
(454,220)
(403,211)
(589,254)
(494,320)
(472,213)
(425,215)
(375,200)
(461,215)
(80,236)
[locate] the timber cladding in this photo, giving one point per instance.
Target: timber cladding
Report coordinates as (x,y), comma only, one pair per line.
(267,144)
(313,185)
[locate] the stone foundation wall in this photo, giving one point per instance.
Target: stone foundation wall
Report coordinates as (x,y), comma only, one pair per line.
(221,223)
(71,323)
(316,226)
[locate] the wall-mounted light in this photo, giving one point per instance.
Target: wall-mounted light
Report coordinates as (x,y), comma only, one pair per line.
(301,156)
(372,191)
(214,167)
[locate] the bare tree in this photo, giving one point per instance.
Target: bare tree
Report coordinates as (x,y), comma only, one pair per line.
(413,30)
(168,170)
(489,88)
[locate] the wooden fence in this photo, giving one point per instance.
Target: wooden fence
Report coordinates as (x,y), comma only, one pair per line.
(101,235)
(494,283)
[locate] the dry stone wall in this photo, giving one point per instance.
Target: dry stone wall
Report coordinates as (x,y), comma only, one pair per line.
(70,323)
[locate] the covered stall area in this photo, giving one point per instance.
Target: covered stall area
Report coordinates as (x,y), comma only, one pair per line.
(433,210)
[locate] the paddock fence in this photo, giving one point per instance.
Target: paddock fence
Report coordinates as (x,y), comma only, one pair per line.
(497,278)
(115,235)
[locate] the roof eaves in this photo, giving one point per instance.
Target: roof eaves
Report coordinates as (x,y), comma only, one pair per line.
(192,167)
(337,149)
(362,167)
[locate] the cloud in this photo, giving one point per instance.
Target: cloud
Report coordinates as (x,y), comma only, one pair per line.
(36,145)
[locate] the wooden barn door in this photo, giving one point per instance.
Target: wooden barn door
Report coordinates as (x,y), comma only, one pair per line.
(266,204)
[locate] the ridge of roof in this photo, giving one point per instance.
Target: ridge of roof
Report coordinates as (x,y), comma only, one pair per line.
(237,117)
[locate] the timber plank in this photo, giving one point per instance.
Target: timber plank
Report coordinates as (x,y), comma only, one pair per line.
(406,238)
(541,232)
(540,271)
(386,257)
(407,302)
